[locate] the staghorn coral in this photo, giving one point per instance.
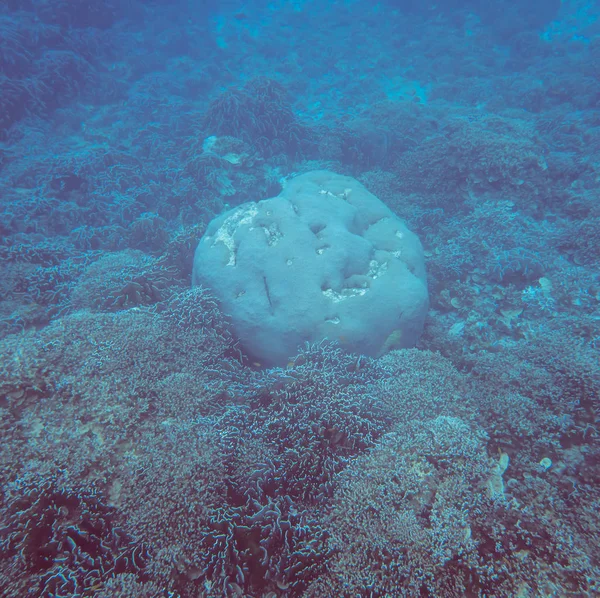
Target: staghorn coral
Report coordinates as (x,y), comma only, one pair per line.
(123,280)
(244,463)
(127,585)
(402,517)
(283,440)
(579,240)
(229,169)
(556,373)
(65,538)
(227,474)
(427,513)
(417,381)
(82,397)
(231,493)
(475,154)
(318,412)
(40,70)
(179,252)
(149,232)
(177,467)
(259,114)
(519,266)
(79,13)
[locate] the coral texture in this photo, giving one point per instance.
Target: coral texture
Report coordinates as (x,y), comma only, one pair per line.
(324,259)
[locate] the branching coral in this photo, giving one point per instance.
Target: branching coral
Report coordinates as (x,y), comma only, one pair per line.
(123,280)
(65,538)
(402,518)
(475,154)
(261,115)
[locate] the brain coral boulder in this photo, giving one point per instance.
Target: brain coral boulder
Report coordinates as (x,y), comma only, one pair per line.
(323,259)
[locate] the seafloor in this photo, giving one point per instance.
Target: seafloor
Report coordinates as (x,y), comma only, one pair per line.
(143,455)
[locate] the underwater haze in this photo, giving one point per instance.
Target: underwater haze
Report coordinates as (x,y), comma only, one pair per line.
(299,298)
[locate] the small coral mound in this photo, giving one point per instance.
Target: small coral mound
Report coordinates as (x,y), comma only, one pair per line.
(260,114)
(122,280)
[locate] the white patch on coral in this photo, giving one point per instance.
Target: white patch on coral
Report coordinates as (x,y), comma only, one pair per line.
(376,269)
(337,296)
(272,233)
(241,217)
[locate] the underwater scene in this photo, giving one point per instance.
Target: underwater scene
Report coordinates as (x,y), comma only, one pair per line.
(299,299)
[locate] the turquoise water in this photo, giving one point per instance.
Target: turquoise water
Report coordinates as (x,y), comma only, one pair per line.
(382,381)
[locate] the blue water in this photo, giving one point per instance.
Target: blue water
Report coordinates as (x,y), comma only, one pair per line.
(148,449)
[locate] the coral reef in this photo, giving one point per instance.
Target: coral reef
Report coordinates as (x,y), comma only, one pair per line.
(64,538)
(260,114)
(145,453)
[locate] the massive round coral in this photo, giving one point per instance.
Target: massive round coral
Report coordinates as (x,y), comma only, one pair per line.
(324,259)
